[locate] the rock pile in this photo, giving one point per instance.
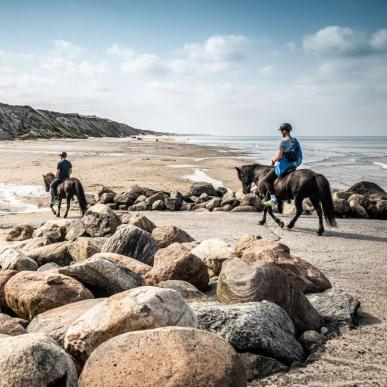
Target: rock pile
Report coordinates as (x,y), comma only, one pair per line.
(94,295)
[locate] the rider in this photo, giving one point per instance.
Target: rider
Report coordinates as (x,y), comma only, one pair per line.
(289,156)
(63,171)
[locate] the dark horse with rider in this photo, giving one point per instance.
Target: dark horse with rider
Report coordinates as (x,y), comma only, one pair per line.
(62,186)
(282,182)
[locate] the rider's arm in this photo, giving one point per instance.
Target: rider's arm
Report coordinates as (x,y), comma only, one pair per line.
(278,156)
(57,172)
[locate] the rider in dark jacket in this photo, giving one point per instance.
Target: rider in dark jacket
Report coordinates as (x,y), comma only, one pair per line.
(63,171)
(289,156)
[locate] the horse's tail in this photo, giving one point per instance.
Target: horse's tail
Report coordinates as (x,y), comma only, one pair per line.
(325,196)
(80,193)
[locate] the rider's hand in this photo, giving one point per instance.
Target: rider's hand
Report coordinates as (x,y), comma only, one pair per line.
(272,163)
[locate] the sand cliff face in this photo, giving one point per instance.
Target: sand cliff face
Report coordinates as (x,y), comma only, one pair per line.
(25,122)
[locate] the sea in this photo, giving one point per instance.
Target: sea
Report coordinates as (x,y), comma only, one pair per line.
(343,160)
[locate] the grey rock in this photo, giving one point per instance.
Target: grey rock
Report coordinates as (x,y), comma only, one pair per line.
(133,242)
(20,233)
(167,235)
(102,191)
(102,277)
(311,340)
(199,188)
(55,252)
(259,367)
(335,305)
(74,231)
(48,266)
(84,247)
(35,360)
(107,197)
(139,220)
(244,209)
(258,327)
(158,205)
(213,203)
(12,259)
(185,289)
(100,220)
(141,206)
(11,326)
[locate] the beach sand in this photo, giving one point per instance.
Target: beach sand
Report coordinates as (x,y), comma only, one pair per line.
(353,256)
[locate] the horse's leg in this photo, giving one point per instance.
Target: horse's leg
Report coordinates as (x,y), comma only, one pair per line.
(317,207)
(52,205)
(68,200)
(263,220)
(59,204)
(277,220)
(298,203)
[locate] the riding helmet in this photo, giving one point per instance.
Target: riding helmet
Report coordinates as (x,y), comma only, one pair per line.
(63,154)
(287,127)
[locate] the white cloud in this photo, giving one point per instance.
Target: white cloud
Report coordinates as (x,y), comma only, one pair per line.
(266,71)
(144,63)
(121,51)
(379,40)
(219,48)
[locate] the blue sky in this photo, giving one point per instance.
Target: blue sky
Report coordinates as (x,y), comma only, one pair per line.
(221,67)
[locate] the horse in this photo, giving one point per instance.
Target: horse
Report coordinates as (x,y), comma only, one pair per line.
(66,190)
(298,184)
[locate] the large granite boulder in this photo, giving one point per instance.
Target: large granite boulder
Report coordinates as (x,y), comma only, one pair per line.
(259,367)
(10,326)
(102,277)
(300,272)
(20,233)
(12,259)
(133,242)
(139,220)
(100,220)
(213,252)
(185,289)
(54,322)
(259,327)
(75,230)
(165,236)
(29,293)
(122,260)
(129,197)
(240,281)
(176,262)
(35,360)
(178,356)
(244,242)
(55,252)
(84,247)
(137,309)
(342,208)
(335,305)
(5,275)
(200,188)
(54,230)
(366,188)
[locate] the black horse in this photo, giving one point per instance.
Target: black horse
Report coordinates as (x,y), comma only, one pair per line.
(66,190)
(298,185)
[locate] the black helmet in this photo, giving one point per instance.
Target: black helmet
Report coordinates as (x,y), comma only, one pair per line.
(63,154)
(287,127)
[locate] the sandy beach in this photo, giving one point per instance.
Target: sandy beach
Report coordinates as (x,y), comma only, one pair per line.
(353,256)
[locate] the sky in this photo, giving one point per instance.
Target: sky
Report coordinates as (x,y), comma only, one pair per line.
(221,67)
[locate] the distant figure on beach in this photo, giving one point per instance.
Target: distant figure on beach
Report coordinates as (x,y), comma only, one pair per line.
(63,171)
(288,157)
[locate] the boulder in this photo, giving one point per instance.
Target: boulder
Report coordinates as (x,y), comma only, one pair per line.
(301,273)
(100,220)
(137,309)
(20,233)
(244,209)
(335,305)
(165,236)
(133,242)
(213,203)
(366,188)
(311,340)
(381,209)
(37,242)
(29,293)
(225,208)
(341,195)
(140,199)
(55,231)
(102,277)
(55,252)
(54,322)
(240,281)
(139,220)
(130,197)
(158,205)
(74,231)
(102,191)
(176,262)
(259,327)
(213,252)
(174,201)
(48,266)
(107,197)
(179,357)
(141,206)
(184,288)
(250,199)
(155,197)
(342,208)
(84,247)
(259,367)
(358,204)
(10,326)
(130,263)
(220,191)
(35,360)
(5,275)
(244,243)
(199,188)
(12,259)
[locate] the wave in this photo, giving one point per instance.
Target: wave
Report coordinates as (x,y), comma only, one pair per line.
(384,166)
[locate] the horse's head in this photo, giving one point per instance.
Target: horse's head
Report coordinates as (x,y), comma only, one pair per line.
(245,175)
(48,179)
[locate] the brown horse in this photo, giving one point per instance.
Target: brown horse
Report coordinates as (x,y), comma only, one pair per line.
(67,189)
(298,185)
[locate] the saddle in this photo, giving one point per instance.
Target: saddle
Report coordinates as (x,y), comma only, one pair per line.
(288,172)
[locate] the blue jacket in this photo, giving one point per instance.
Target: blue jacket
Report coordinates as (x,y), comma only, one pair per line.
(291,158)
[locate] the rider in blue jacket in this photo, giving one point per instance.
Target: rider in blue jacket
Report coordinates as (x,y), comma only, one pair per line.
(289,156)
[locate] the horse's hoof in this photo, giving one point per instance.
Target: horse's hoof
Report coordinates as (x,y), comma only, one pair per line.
(58,216)
(320,232)
(289,226)
(261,222)
(281,224)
